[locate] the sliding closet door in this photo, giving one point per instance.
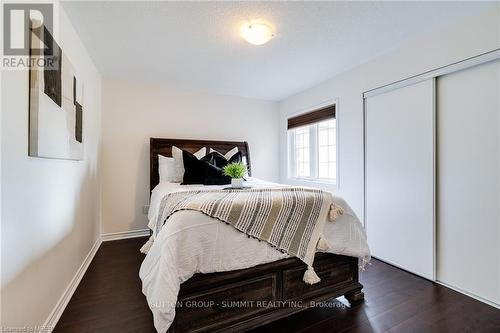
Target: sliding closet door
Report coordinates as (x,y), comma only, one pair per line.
(469,180)
(399,176)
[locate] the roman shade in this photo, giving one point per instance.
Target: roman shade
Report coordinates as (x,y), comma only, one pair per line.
(312,117)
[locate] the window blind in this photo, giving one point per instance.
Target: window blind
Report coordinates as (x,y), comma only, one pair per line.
(312,117)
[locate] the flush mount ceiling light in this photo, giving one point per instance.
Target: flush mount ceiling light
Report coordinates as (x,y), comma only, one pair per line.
(256,33)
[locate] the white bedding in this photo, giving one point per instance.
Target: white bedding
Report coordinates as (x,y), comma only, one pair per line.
(191,242)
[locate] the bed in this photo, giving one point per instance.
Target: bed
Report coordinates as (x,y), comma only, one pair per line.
(219,299)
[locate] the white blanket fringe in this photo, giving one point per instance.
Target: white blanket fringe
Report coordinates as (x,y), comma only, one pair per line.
(363,262)
(322,244)
(145,248)
(310,276)
(334,212)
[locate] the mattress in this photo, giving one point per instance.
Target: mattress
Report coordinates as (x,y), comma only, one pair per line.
(191,242)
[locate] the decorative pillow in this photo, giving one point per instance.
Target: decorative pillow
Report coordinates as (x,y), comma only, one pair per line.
(179,162)
(166,168)
(202,172)
(244,161)
(231,153)
(227,155)
(217,159)
(215,175)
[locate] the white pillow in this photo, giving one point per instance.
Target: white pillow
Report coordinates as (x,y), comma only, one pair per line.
(166,168)
(228,155)
(244,161)
(179,162)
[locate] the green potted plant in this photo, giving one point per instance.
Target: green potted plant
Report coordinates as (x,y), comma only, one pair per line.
(236,171)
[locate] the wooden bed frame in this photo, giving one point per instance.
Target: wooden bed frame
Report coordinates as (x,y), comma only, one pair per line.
(244,299)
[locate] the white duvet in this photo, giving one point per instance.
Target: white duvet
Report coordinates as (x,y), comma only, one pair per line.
(191,242)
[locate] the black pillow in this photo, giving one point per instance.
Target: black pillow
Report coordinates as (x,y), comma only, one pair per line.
(201,171)
(217,159)
(194,169)
(207,170)
(215,176)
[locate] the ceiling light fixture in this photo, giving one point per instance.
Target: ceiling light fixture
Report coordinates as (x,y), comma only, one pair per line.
(256,33)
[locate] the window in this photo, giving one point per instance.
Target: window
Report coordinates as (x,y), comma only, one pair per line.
(312,145)
(302,165)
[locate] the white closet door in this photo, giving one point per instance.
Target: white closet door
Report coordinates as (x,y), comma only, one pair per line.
(400,150)
(469,180)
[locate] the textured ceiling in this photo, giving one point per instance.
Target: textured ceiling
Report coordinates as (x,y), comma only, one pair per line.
(197,46)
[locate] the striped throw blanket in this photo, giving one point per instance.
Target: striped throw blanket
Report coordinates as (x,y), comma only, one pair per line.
(291,219)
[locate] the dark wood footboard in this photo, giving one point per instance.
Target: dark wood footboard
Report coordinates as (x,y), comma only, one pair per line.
(244,299)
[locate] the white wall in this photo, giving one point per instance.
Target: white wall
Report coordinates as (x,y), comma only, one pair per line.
(467,38)
(470,37)
(134,112)
(50,208)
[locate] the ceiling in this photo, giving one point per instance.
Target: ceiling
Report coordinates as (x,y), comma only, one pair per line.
(197,46)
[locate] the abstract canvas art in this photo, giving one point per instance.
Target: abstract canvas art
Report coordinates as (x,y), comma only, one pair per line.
(56,100)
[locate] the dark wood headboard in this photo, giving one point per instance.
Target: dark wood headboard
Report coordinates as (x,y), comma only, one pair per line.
(158,146)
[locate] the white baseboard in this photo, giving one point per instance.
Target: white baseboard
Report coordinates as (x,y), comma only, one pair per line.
(476,297)
(125,234)
(466,293)
(63,301)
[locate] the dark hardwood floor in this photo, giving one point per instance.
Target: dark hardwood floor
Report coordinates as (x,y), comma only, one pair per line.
(109,299)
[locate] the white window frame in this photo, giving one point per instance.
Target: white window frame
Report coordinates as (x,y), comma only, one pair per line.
(312,179)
